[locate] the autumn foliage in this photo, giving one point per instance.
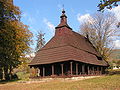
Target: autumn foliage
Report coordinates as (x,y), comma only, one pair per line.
(15,38)
(107,4)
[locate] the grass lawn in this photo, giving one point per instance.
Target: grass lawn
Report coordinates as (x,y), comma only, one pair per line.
(100,83)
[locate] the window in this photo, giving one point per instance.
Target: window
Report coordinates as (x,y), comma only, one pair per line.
(99,58)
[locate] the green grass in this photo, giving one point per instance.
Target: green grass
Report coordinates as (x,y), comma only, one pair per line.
(100,83)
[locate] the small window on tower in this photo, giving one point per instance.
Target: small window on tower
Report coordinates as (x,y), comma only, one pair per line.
(99,58)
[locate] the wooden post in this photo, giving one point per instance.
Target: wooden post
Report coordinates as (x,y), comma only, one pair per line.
(101,70)
(62,69)
(98,70)
(88,70)
(93,70)
(71,68)
(38,72)
(76,68)
(43,71)
(52,69)
(83,69)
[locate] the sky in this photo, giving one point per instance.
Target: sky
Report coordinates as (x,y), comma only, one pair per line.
(44,15)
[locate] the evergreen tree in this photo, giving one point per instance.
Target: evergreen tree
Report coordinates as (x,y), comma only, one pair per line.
(40,41)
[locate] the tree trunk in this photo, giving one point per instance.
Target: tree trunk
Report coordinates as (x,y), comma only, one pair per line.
(6,73)
(10,73)
(1,73)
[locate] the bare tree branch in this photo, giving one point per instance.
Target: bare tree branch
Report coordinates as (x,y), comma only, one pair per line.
(99,29)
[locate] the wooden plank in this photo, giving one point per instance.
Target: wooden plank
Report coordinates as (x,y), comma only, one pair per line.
(76,68)
(71,68)
(62,69)
(43,71)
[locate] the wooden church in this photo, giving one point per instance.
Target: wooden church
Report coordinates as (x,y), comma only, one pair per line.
(68,54)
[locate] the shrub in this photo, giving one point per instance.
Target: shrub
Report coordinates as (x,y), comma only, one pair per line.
(14,76)
(113,72)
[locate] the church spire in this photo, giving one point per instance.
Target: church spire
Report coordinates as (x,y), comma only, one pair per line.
(63,21)
(63,17)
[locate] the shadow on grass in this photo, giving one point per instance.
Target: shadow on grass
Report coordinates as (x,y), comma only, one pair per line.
(8,81)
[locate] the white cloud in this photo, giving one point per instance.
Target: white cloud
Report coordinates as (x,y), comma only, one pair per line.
(31,20)
(83,18)
(31,55)
(116,11)
(117,44)
(49,24)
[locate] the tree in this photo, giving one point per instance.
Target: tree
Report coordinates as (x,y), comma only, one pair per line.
(100,30)
(15,38)
(118,63)
(108,4)
(40,41)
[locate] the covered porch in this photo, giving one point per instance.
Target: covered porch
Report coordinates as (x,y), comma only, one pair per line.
(68,69)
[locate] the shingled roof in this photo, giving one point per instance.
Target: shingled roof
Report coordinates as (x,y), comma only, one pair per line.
(67,45)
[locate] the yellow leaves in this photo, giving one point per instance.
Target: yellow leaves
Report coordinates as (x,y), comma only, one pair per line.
(108,4)
(15,37)
(21,30)
(20,35)
(8,5)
